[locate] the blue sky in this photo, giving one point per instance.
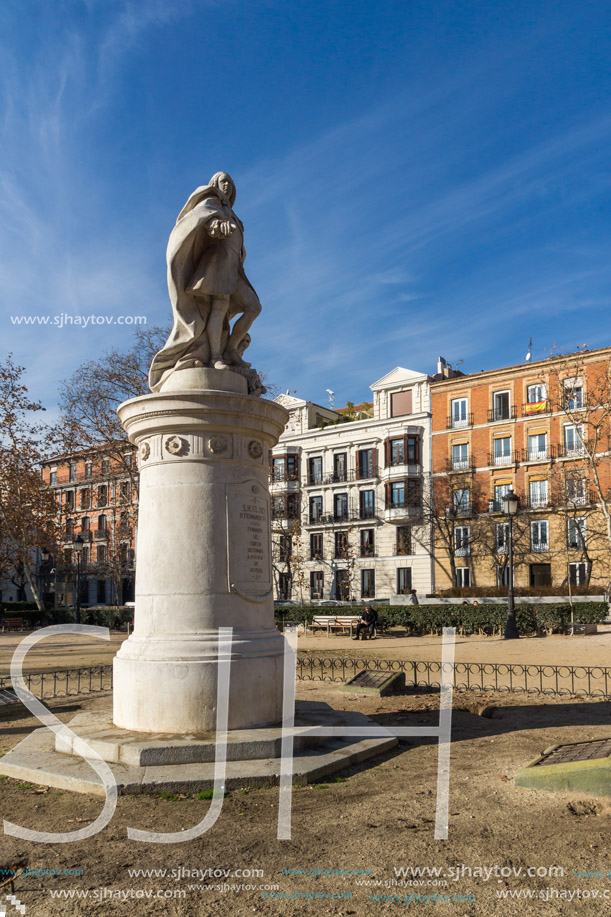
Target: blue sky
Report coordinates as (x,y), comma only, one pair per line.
(415,178)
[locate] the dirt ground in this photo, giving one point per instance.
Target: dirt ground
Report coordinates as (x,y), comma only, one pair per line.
(594,650)
(378,817)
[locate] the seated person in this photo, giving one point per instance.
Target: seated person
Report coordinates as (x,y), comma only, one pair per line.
(369,620)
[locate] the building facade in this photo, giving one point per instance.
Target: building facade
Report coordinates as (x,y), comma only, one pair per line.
(542,430)
(347,496)
(96,495)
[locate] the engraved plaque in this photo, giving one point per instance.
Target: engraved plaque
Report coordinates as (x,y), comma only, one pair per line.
(248,541)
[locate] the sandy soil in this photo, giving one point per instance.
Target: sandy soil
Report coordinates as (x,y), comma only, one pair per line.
(380,818)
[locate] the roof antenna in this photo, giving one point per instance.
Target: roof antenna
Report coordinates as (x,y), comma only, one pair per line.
(331,395)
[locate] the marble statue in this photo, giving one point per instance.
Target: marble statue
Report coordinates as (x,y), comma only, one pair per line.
(208,287)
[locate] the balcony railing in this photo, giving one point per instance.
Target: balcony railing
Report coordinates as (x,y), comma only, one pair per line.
(367,474)
(460,465)
(533,408)
(578,450)
(539,547)
(539,455)
(101,535)
(458,423)
(283,477)
(368,552)
(503,460)
(536,503)
(496,414)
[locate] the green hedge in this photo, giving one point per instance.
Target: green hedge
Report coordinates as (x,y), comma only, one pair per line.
(16,609)
(110,616)
(467,619)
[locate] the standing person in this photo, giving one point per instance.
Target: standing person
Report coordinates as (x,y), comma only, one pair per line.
(412,598)
(369,620)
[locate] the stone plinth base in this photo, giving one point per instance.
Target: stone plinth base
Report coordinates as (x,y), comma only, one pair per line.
(36,760)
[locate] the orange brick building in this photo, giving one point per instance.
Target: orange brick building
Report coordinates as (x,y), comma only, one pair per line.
(96,494)
(541,429)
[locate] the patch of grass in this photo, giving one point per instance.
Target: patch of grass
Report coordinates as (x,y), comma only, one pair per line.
(338,780)
(173,797)
(246,790)
(2,777)
(299,786)
(25,786)
(209,794)
(321,786)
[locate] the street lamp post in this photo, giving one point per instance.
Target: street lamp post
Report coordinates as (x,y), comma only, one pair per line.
(510,507)
(78,547)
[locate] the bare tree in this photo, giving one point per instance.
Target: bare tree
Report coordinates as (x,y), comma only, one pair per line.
(27,510)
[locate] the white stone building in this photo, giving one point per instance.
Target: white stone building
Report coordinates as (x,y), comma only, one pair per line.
(348,520)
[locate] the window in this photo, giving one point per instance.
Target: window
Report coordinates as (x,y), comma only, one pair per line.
(461,499)
(539,536)
(502,575)
(105,466)
(340,507)
(401,403)
(124,523)
(72,471)
(413,450)
(537,447)
(461,540)
(69,528)
(367,504)
(84,556)
(340,467)
(404,580)
(285,506)
(315,509)
(278,468)
(396,448)
(368,584)
(459,415)
(578,574)
(101,523)
(316,546)
(501,406)
(102,495)
(463,577)
(366,463)
(576,533)
(292,467)
(67,556)
(367,542)
(285,548)
(460,456)
(341,544)
(124,491)
(88,470)
(85,523)
(317,579)
(101,592)
(576,491)
(397,494)
(53,477)
(284,586)
(501,537)
(573,394)
(499,492)
(128,459)
(540,575)
(101,553)
(315,470)
(573,439)
(85,499)
(342,585)
(502,450)
(69,500)
(404,540)
(535,393)
(537,493)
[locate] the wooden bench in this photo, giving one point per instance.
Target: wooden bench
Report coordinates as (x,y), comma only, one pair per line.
(340,623)
(13,624)
(322,622)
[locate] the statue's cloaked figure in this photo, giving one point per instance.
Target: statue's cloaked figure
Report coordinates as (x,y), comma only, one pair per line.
(207,286)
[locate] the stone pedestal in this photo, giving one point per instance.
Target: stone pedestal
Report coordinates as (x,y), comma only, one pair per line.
(203,557)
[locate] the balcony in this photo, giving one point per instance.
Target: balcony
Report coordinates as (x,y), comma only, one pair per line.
(367,552)
(85,535)
(283,482)
(101,535)
(463,551)
(534,408)
(538,455)
(367,474)
(535,503)
(577,450)
(459,423)
(503,460)
(539,548)
(398,513)
(460,465)
(497,414)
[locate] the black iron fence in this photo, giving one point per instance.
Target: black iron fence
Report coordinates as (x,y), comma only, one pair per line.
(586,681)
(66,683)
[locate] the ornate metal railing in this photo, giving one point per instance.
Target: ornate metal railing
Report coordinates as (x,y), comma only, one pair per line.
(587,681)
(65,683)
